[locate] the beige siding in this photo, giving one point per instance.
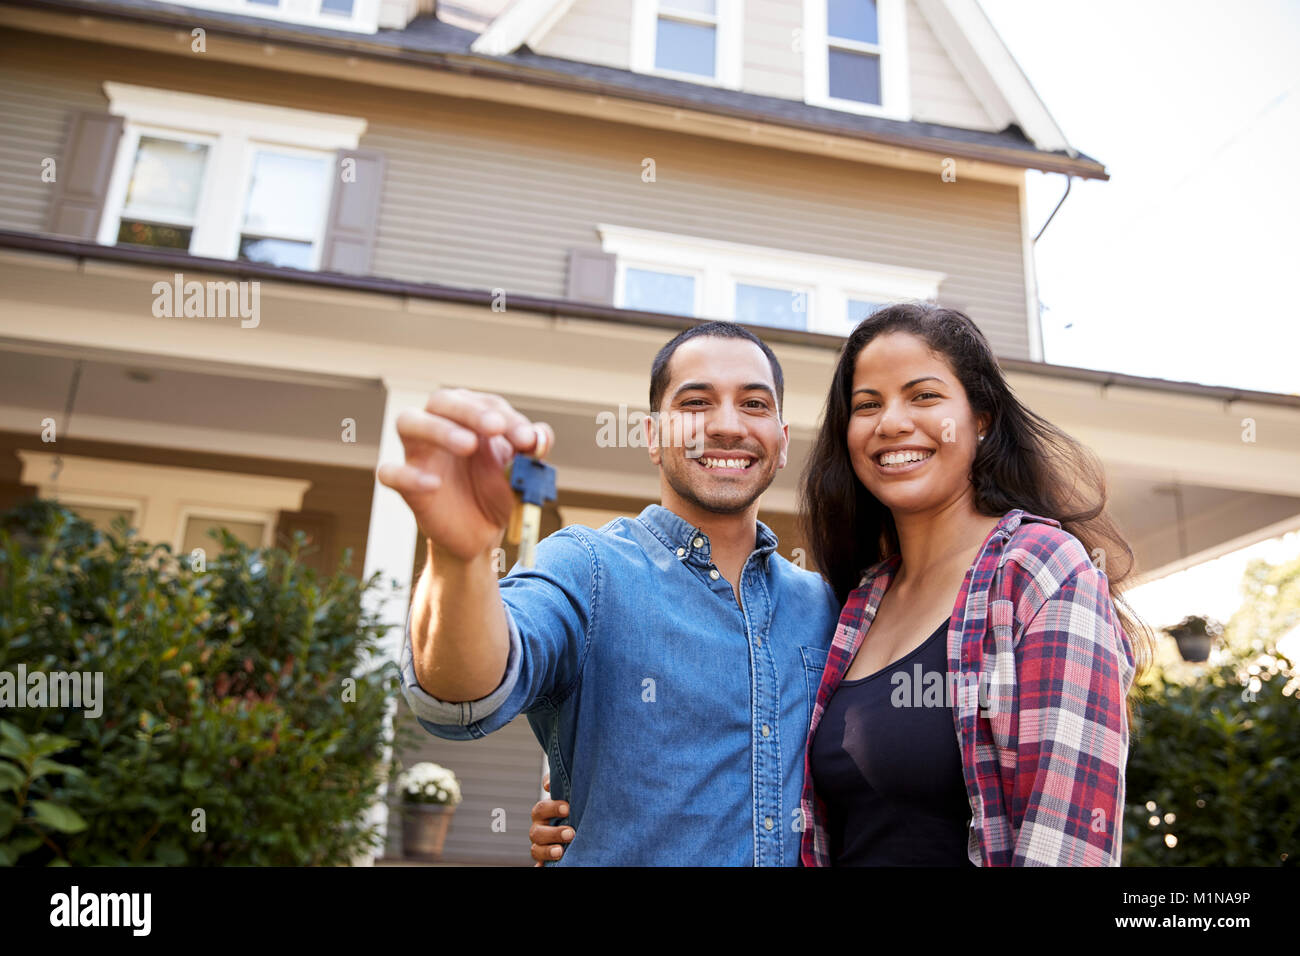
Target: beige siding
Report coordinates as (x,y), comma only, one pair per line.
(773,67)
(593,31)
(939,94)
(494,197)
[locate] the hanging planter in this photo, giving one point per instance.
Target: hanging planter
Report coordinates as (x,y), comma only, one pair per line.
(1195,635)
(429,796)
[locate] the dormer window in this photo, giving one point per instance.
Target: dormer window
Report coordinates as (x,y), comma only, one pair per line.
(855,56)
(696,40)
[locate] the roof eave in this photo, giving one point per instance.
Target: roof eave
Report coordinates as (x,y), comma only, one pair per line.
(565,308)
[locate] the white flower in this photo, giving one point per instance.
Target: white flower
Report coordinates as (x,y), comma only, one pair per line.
(429,783)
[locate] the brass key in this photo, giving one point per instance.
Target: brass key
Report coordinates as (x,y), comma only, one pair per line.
(534,481)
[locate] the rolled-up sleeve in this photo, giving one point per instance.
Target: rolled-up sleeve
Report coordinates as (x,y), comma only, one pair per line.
(549,612)
(430,710)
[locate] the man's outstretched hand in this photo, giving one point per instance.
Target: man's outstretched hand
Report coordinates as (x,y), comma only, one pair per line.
(457,448)
(548,841)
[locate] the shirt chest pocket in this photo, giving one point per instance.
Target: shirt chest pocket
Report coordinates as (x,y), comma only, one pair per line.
(814,663)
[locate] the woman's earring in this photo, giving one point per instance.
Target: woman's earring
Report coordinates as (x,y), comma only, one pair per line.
(981,437)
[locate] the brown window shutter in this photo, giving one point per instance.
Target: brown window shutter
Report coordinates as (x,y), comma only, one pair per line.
(354,212)
(591,276)
(82,175)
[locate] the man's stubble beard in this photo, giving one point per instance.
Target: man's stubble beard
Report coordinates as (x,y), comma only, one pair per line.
(681,486)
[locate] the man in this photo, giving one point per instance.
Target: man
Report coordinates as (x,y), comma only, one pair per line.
(667,663)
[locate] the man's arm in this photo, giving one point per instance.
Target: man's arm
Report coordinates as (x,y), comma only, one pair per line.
(453,480)
(458,627)
(548,611)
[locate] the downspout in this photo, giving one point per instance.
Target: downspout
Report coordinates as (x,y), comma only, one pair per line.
(1069,181)
(1038,305)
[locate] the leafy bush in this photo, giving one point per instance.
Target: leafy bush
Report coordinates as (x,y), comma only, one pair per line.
(1212,777)
(242,703)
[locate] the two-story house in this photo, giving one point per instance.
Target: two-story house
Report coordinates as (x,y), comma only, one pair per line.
(238,236)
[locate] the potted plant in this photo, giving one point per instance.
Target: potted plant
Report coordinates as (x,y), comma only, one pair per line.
(1194,634)
(430,793)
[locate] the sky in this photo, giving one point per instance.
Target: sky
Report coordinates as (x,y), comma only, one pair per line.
(1182,265)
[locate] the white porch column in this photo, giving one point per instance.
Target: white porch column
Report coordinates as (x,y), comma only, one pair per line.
(390,549)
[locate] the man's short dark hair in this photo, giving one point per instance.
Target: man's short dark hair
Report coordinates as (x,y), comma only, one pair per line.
(717,330)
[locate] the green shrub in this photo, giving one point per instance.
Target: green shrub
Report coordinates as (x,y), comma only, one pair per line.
(231,732)
(1219,754)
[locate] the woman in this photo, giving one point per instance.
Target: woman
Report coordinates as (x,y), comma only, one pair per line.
(1000,736)
(933,497)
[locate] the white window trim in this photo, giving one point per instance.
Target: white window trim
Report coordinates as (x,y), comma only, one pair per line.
(895,87)
(266,518)
(729,54)
(234,129)
(830,280)
(364,18)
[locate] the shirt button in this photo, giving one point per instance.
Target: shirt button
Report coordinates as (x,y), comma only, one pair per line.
(714,574)
(681,552)
(767,731)
(698,542)
(758,641)
(768,823)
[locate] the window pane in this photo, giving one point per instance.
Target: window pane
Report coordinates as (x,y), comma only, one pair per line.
(165,179)
(136,233)
(287,195)
(266,3)
(688,47)
(276,252)
(341,7)
(690,6)
(859,309)
(855,76)
(102,518)
(659,292)
(852,20)
(196,533)
(761,305)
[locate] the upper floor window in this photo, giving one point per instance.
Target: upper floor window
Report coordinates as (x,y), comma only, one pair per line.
(357,16)
(755,285)
(222,178)
(855,56)
(697,40)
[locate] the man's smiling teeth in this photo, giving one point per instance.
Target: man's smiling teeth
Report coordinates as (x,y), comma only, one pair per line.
(726,462)
(903,457)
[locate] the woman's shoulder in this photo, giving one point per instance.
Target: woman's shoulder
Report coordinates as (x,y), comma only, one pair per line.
(1041,546)
(1039,557)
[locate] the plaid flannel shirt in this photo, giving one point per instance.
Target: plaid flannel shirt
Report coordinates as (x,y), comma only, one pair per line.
(1041,669)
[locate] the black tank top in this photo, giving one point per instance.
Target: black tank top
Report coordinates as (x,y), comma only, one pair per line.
(888,768)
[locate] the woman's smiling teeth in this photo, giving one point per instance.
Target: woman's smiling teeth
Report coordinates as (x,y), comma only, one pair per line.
(903,457)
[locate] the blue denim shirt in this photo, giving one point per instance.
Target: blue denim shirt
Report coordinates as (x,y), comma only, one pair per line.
(674,717)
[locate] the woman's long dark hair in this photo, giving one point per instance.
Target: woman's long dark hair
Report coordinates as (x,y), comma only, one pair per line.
(1023,462)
